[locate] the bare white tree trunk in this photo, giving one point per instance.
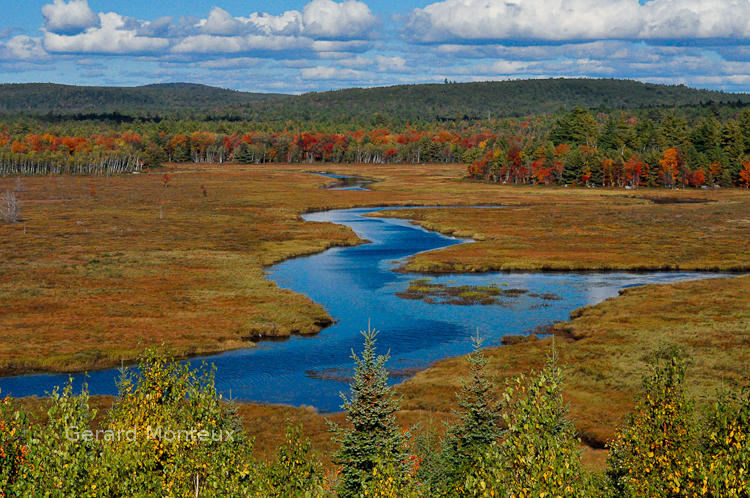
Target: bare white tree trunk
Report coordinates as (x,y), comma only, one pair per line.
(10,212)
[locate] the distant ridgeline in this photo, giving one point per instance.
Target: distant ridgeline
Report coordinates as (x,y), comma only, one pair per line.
(573,131)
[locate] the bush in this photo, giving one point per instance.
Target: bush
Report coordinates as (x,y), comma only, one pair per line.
(655,453)
(15,436)
(296,471)
(158,400)
(725,446)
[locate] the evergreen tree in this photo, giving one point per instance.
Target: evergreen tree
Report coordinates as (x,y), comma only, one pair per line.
(478,415)
(576,127)
(374,438)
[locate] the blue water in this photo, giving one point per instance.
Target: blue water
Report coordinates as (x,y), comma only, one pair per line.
(346,182)
(357,284)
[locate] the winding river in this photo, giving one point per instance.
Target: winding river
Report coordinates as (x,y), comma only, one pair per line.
(357,284)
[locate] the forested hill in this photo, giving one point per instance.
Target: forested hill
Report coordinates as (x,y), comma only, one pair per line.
(498,98)
(426,102)
(41,98)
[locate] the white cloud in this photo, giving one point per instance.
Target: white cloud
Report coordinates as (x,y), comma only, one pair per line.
(349,20)
(69,18)
(22,48)
(288,23)
(319,19)
(379,63)
(332,73)
(322,26)
(220,22)
(115,35)
(578,20)
(211,44)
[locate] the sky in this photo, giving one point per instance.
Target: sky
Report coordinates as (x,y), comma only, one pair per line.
(295,46)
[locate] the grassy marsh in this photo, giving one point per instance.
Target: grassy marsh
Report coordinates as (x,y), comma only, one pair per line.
(100,268)
(605,347)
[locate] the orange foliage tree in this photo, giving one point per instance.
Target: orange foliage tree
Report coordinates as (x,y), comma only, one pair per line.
(669,166)
(745,174)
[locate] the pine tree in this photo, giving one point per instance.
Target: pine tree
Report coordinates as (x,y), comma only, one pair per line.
(478,415)
(374,437)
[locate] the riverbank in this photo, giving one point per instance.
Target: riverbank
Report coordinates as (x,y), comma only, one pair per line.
(102,267)
(571,230)
(604,348)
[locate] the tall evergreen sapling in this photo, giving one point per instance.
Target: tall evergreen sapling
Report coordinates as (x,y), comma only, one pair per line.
(478,414)
(374,437)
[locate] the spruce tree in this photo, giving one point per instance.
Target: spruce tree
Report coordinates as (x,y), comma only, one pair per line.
(374,438)
(478,415)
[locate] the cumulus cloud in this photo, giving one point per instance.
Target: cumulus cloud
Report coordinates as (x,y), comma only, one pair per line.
(22,48)
(347,20)
(332,73)
(212,44)
(379,63)
(114,35)
(321,26)
(334,43)
(68,18)
(578,20)
(221,22)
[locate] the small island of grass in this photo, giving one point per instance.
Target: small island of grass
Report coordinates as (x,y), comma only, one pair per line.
(427,290)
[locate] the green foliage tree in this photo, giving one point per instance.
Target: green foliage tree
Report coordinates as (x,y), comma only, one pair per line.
(374,437)
(296,471)
(185,440)
(539,454)
(576,127)
(15,437)
(725,446)
(655,453)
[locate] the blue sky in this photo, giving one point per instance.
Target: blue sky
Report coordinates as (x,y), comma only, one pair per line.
(297,46)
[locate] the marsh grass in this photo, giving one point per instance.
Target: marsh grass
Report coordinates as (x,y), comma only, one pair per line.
(89,281)
(609,347)
(436,292)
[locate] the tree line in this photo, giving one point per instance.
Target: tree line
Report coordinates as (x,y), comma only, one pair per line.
(658,147)
(170,434)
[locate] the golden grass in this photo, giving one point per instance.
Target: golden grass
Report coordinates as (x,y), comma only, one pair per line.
(101,268)
(608,346)
(569,230)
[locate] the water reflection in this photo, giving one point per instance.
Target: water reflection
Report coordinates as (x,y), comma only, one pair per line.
(357,284)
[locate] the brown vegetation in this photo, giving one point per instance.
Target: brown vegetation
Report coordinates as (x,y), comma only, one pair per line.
(103,267)
(607,349)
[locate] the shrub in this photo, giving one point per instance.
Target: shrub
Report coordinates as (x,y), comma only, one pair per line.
(157,400)
(664,449)
(296,470)
(15,435)
(725,446)
(655,452)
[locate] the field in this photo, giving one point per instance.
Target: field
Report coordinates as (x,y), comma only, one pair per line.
(101,267)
